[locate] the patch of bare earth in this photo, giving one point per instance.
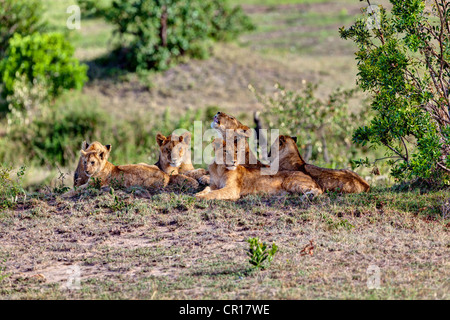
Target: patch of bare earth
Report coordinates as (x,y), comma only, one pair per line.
(171,246)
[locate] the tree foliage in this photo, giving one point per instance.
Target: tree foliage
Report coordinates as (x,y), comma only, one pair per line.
(41,58)
(158,32)
(18,16)
(404,63)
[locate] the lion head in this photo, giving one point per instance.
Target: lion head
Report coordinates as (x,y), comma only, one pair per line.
(94,157)
(231,155)
(80,177)
(285,149)
(174,150)
(223,122)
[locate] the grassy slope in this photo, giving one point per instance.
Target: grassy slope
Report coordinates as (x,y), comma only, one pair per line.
(294,41)
(169,245)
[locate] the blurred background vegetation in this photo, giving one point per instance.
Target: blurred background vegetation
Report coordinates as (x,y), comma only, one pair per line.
(123,77)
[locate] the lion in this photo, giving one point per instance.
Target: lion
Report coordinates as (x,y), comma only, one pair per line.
(80,177)
(175,160)
(94,159)
(230,181)
(226,125)
(343,180)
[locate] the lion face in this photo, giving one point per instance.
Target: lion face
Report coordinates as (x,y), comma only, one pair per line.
(173,149)
(284,145)
(94,157)
(79,177)
(231,155)
(223,122)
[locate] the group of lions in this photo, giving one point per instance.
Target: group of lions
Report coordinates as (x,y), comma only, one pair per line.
(228,179)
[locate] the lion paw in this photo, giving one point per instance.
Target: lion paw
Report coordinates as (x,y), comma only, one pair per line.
(205,180)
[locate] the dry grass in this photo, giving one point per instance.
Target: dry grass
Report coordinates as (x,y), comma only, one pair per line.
(171,246)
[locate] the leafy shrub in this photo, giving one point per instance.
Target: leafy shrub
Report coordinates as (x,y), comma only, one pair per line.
(18,16)
(322,126)
(42,58)
(27,99)
(93,8)
(226,23)
(259,253)
(161,31)
(10,189)
(404,63)
(54,137)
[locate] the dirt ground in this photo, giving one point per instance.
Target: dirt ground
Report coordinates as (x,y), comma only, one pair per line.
(171,246)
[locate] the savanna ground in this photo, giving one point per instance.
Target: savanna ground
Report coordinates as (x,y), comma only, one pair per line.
(135,244)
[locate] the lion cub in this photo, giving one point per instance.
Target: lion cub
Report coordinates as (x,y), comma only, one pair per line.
(96,166)
(175,160)
(343,180)
(230,181)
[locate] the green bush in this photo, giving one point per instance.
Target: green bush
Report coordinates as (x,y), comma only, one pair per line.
(159,32)
(18,16)
(93,8)
(404,64)
(41,58)
(323,126)
(10,189)
(53,138)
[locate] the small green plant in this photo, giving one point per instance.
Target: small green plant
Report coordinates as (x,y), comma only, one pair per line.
(61,188)
(340,223)
(10,189)
(118,204)
(95,183)
(3,274)
(259,253)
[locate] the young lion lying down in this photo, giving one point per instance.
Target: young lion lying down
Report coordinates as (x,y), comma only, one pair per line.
(175,160)
(230,181)
(343,180)
(96,165)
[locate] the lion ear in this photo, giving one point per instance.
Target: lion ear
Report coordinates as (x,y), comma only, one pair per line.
(244,132)
(295,139)
(186,137)
(84,145)
(160,139)
(217,143)
(103,155)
